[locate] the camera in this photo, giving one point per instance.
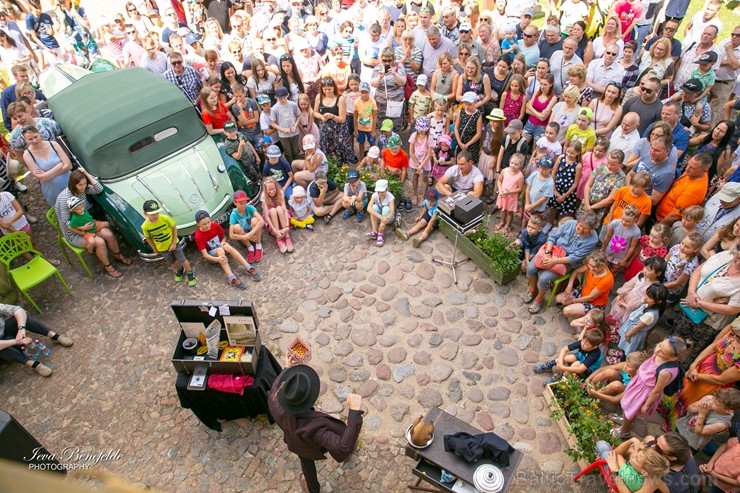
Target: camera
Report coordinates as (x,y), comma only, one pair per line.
(387,67)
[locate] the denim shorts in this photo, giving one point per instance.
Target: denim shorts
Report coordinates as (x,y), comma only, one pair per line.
(536,131)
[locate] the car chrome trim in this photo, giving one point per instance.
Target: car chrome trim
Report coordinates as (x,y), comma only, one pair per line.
(154,194)
(226,200)
(177,189)
(214,181)
(185,168)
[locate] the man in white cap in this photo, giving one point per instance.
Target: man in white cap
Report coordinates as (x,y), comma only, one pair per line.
(720,210)
(309,433)
(466,38)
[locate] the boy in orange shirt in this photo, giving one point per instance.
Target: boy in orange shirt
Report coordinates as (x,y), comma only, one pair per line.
(633,194)
(395,161)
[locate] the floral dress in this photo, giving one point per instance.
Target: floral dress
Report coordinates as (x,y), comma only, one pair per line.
(334,137)
(512,107)
(468,127)
(564,179)
(604,184)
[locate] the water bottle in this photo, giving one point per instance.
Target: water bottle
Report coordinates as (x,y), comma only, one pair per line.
(26,352)
(44,348)
(36,350)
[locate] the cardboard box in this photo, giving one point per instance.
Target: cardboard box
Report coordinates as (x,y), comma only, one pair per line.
(202,311)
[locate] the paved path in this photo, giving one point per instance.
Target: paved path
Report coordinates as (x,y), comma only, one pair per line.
(386,322)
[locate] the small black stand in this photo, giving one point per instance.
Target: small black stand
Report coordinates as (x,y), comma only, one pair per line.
(460,229)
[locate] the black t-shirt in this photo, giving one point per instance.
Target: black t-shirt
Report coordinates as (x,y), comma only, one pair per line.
(520,145)
(588,358)
(649,113)
(684,481)
(219,10)
(313,189)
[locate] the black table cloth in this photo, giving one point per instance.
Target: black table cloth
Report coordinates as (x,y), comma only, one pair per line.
(211,405)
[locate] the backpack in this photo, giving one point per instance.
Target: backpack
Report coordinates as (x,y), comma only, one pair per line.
(677,383)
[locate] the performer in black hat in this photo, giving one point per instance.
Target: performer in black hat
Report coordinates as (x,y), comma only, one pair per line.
(308,433)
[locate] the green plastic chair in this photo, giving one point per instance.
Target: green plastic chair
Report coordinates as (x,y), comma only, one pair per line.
(51,216)
(32,272)
(555,285)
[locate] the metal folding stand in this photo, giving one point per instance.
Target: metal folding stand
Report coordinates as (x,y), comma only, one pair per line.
(460,229)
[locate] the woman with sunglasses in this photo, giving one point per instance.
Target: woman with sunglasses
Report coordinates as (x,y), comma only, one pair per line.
(330,110)
(658,60)
(290,78)
(142,23)
(389,78)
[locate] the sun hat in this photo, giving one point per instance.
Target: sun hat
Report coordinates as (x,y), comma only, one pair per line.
(381,185)
(422,124)
(729,192)
(496,114)
(373,152)
(298,191)
(298,389)
(444,139)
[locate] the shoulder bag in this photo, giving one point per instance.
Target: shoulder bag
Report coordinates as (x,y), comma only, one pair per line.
(697,315)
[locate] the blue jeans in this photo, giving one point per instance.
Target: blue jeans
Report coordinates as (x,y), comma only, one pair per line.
(603,448)
(545,278)
(642,32)
(14,353)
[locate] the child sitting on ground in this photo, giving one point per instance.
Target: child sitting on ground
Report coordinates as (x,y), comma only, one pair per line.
(609,382)
(640,322)
(372,162)
(210,239)
(690,217)
(425,222)
(681,261)
(245,225)
(708,416)
(79,217)
(530,239)
(355,195)
(301,213)
(582,363)
(382,210)
(644,469)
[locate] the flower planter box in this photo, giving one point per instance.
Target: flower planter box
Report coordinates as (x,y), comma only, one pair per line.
(476,255)
(563,424)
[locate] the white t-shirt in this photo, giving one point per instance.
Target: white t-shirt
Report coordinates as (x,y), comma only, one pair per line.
(464,183)
(7,211)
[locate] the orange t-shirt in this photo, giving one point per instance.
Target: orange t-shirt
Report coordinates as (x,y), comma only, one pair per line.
(395,161)
(684,193)
(603,284)
(624,196)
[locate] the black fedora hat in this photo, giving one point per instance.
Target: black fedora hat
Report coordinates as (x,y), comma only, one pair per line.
(299,388)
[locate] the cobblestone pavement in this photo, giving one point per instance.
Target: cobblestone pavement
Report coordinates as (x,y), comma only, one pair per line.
(386,322)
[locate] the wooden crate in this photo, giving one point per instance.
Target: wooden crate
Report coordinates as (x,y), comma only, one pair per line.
(477,256)
(563,424)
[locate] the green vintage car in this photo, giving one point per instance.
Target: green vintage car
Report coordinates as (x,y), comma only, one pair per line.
(143,139)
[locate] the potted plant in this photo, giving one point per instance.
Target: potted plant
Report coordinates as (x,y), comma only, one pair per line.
(495,253)
(579,418)
(338,174)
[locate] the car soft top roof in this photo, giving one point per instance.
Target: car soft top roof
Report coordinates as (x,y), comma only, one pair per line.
(102,107)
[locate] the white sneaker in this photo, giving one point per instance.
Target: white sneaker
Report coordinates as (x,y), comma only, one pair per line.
(21,187)
(31,219)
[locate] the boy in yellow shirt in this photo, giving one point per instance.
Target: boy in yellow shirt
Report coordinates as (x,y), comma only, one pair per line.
(160,232)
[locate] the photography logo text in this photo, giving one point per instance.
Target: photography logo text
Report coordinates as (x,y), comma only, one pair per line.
(70,458)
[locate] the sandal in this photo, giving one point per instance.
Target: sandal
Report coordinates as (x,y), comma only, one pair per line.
(119,256)
(529,298)
(111,271)
(535,308)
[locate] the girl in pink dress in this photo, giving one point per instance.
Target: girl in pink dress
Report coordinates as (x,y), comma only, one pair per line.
(629,295)
(510,185)
(645,391)
(420,162)
(590,161)
(513,100)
